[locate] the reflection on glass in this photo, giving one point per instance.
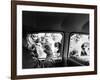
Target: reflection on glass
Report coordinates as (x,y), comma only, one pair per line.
(45,44)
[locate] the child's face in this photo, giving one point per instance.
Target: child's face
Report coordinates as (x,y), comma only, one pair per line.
(86,48)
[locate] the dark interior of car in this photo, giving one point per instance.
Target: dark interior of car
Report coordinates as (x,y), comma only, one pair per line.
(54,22)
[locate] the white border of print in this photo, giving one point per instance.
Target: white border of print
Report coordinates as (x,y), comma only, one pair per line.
(21,71)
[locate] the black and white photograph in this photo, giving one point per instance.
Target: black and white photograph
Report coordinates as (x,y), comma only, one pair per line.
(45,49)
(53,40)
